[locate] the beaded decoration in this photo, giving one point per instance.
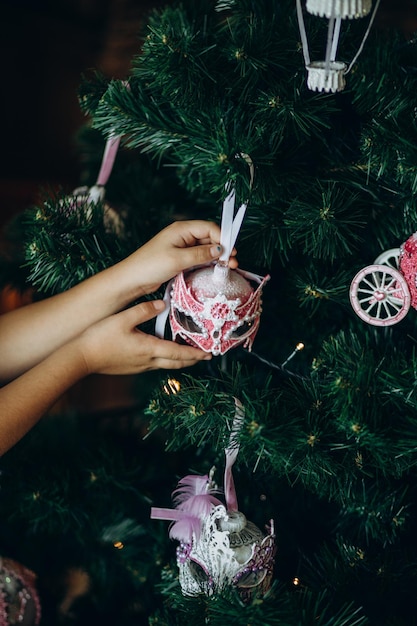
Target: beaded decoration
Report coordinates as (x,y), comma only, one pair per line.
(218,547)
(19,601)
(213,307)
(215,315)
(408,266)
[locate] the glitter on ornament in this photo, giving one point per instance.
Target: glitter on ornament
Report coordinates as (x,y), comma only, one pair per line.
(408,266)
(382,294)
(215,308)
(19,600)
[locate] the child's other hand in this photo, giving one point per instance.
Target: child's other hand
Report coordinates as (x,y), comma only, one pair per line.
(180,246)
(116,346)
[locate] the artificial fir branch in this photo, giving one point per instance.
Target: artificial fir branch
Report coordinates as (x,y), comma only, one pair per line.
(92,88)
(68,241)
(283,607)
(330,217)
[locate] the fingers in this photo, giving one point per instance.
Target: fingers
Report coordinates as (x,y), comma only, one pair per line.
(195,255)
(180,246)
(171,364)
(190,232)
(165,353)
(143,312)
(200,255)
(175,356)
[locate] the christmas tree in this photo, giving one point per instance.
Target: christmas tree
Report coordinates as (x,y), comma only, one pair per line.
(328,421)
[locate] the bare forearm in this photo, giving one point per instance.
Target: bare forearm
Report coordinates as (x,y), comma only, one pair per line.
(25,400)
(113,345)
(29,334)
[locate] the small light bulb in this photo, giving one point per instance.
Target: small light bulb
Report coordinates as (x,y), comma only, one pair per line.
(296,581)
(298,348)
(172,386)
(118,545)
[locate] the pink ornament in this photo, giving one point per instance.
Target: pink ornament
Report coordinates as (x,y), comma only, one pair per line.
(382,294)
(19,601)
(408,266)
(215,308)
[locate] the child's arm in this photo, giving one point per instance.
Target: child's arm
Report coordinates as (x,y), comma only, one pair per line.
(111,346)
(29,334)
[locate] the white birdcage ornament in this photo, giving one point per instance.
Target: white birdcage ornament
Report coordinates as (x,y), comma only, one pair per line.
(328,75)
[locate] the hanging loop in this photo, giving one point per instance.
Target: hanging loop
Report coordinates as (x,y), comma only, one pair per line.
(230,226)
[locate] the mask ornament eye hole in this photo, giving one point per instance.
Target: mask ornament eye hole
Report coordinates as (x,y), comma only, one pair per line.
(187,322)
(198,572)
(241,330)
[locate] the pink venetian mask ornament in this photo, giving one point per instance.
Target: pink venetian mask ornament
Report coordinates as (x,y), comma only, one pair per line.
(216,308)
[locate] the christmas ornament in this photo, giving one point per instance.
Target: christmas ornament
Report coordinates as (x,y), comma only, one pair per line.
(88,196)
(19,600)
(213,307)
(329,75)
(216,308)
(382,294)
(218,547)
(341,8)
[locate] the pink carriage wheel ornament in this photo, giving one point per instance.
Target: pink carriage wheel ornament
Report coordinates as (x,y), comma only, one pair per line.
(389,257)
(379,295)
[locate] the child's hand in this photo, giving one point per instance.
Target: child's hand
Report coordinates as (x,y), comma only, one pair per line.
(113,345)
(116,346)
(180,246)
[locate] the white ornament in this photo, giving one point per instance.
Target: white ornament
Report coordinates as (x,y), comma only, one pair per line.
(219,547)
(350,9)
(319,78)
(215,560)
(329,75)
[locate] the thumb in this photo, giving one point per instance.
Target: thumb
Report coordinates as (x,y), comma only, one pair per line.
(198,255)
(145,311)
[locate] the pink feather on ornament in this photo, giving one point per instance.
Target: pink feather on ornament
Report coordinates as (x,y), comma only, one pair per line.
(191,486)
(184,529)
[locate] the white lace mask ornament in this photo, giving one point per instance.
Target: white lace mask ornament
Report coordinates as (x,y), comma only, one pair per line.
(218,547)
(213,307)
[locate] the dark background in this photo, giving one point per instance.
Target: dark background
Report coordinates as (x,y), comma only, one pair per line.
(45,46)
